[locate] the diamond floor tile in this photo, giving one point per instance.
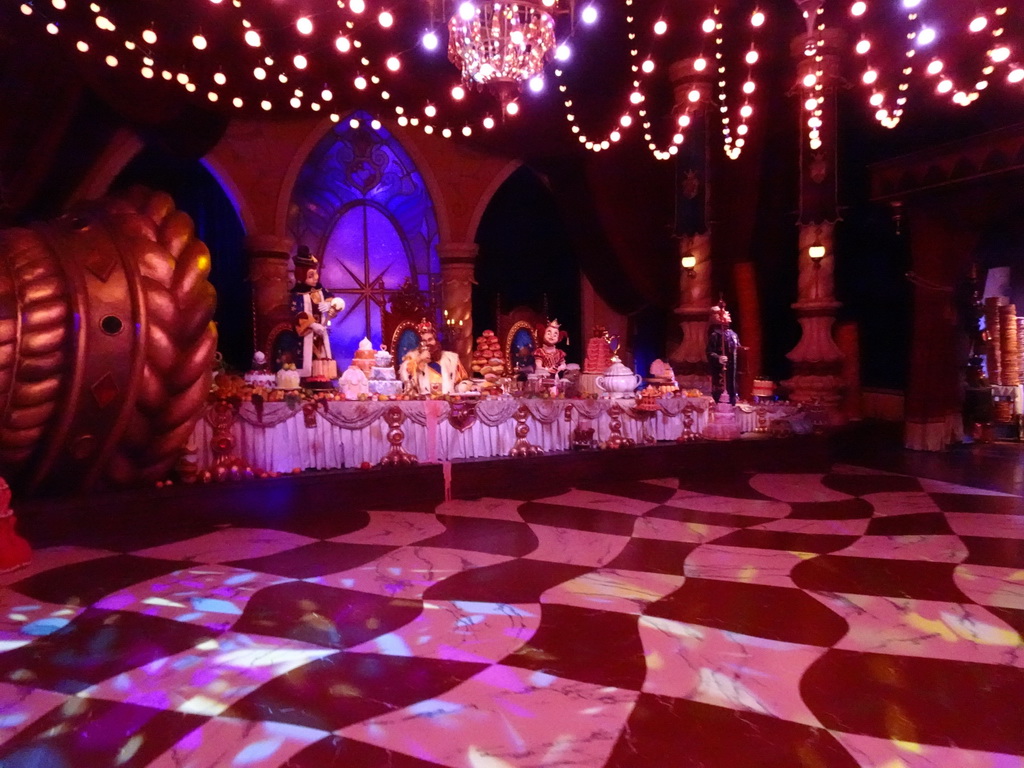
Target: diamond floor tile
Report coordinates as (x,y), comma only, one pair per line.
(831,618)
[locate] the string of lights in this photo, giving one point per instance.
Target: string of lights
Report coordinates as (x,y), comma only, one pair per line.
(813,80)
(733,146)
(937,40)
(633,109)
(279,63)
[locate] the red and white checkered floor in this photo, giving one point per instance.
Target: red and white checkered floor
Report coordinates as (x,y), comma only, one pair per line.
(855,619)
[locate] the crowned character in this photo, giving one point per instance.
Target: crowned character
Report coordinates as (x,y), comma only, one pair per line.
(548,357)
(429,370)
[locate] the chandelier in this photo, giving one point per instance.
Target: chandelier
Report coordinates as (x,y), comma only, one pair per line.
(501,45)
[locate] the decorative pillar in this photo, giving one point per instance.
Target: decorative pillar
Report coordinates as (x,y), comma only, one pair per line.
(692,96)
(270,272)
(458,262)
(816,359)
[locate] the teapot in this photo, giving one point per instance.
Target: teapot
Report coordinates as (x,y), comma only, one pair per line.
(618,380)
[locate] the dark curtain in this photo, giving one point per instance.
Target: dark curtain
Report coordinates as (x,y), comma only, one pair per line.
(618,212)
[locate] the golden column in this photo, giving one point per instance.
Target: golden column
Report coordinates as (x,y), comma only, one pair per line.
(817,360)
(270,272)
(458,263)
(692,90)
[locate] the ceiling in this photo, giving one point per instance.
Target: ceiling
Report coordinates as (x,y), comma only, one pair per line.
(597,79)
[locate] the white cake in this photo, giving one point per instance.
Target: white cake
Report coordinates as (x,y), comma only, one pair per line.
(382,375)
(353,382)
(288,378)
(261,379)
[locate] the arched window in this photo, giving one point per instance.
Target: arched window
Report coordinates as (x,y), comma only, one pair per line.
(363,209)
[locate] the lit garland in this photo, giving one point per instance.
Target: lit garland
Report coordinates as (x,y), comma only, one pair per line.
(733,146)
(632,111)
(636,96)
(923,36)
(813,80)
(141,49)
(144,45)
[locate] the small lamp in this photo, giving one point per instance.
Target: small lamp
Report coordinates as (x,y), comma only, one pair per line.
(817,253)
(690,265)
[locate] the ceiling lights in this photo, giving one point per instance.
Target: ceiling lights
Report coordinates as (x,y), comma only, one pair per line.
(956,57)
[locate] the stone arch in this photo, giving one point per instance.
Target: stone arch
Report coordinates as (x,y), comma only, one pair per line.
(488,194)
(231,191)
(124,147)
(116,155)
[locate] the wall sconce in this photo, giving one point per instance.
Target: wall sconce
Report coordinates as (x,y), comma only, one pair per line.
(817,253)
(451,322)
(690,265)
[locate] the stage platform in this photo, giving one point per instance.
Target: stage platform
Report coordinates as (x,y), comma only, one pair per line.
(314,495)
(312,498)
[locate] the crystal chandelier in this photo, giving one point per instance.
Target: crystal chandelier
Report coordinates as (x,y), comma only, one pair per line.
(501,45)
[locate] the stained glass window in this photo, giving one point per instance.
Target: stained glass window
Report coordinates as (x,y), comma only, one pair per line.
(363,209)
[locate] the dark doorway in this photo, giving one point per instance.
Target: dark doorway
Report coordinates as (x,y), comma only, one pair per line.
(526,259)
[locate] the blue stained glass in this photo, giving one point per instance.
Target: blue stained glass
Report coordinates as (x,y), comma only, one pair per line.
(362,207)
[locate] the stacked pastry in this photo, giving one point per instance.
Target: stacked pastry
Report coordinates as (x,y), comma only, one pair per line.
(1008,345)
(599,355)
(488,362)
(1020,345)
(993,339)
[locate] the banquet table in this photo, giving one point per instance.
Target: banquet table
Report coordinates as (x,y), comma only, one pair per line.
(325,434)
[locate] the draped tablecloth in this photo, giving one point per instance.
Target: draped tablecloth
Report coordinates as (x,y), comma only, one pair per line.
(282,436)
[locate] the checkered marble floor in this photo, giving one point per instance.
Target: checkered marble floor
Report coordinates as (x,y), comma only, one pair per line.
(854,619)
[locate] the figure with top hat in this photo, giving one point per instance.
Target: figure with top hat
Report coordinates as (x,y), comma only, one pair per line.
(313,307)
(548,358)
(429,370)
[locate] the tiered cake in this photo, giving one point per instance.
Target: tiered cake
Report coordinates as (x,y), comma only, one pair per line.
(382,375)
(723,424)
(764,389)
(597,361)
(260,377)
(363,358)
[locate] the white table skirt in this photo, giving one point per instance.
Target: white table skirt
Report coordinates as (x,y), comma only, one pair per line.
(351,433)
